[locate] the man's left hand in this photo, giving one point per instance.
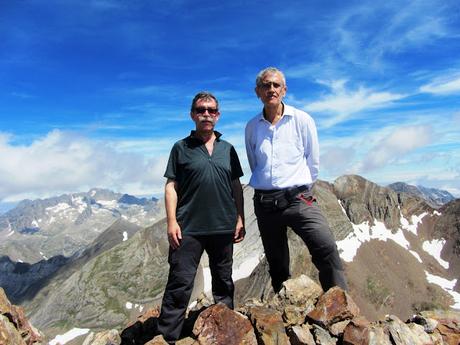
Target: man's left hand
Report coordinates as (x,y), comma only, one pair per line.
(240,232)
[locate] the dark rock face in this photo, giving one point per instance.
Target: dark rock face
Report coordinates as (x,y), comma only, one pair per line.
(365,201)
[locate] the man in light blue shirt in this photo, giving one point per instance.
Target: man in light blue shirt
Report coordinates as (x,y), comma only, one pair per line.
(283,153)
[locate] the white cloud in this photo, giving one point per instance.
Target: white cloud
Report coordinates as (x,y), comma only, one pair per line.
(344,103)
(64,162)
(397,144)
(446,85)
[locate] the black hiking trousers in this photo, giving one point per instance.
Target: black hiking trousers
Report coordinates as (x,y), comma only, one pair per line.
(304,217)
(183,263)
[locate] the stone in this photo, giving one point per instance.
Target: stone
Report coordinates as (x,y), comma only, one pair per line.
(268,325)
(187,341)
(448,324)
(110,337)
(333,306)
(301,292)
(323,337)
(16,316)
(8,333)
(400,332)
(158,340)
(143,329)
(338,328)
(293,315)
(220,325)
(356,332)
(378,336)
(300,335)
(419,332)
(429,325)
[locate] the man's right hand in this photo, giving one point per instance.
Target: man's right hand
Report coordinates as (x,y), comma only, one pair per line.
(174,235)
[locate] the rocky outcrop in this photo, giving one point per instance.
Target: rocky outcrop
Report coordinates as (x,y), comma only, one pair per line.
(15,328)
(328,318)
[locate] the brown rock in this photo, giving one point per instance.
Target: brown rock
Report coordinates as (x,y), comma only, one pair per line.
(293,315)
(8,333)
(300,335)
(333,306)
(220,325)
(378,336)
(187,341)
(338,328)
(448,325)
(268,325)
(143,329)
(17,318)
(158,340)
(356,332)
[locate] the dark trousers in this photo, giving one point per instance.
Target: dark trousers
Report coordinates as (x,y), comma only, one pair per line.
(304,217)
(183,264)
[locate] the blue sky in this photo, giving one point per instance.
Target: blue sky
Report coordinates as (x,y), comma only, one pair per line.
(94,93)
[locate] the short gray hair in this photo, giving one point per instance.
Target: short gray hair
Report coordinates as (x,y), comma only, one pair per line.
(204,95)
(262,73)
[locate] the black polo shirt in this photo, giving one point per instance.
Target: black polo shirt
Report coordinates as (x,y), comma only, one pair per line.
(205,203)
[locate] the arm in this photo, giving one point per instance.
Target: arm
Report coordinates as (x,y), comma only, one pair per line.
(311,145)
(239,203)
(249,148)
(174,231)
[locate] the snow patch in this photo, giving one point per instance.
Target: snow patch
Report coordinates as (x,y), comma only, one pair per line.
(125,236)
(412,225)
(364,233)
(34,223)
(341,207)
(58,208)
(43,256)
(245,268)
(437,213)
(66,337)
(419,259)
(129,305)
(447,285)
(434,248)
(108,203)
(10,233)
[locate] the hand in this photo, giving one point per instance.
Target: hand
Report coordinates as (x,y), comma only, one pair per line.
(240,232)
(174,235)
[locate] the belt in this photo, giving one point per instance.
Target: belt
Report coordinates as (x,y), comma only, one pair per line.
(289,192)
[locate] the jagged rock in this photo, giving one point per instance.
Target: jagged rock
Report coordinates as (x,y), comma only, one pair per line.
(220,325)
(14,316)
(268,325)
(356,332)
(110,337)
(293,315)
(419,333)
(429,325)
(8,333)
(300,335)
(158,340)
(378,336)
(333,306)
(338,328)
(143,329)
(448,325)
(301,292)
(187,341)
(400,333)
(322,337)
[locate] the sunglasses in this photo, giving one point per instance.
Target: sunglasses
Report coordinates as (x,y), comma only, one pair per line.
(202,110)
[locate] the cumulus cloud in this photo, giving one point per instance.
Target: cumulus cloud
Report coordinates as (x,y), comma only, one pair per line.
(397,144)
(64,162)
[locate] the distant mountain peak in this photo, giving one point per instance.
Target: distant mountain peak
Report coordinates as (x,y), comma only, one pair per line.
(433,196)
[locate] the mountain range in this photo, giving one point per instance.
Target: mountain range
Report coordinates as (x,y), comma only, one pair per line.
(401,255)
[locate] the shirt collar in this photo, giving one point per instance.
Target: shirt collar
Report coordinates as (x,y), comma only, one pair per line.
(193,135)
(288,111)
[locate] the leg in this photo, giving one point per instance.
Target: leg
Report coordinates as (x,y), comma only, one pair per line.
(220,252)
(274,239)
(183,264)
(309,223)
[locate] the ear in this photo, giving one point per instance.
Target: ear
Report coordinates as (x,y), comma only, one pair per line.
(256,90)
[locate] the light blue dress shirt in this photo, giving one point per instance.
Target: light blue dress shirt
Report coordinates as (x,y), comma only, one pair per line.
(285,154)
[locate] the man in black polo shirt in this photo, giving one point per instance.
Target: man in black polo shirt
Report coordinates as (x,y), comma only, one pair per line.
(204,208)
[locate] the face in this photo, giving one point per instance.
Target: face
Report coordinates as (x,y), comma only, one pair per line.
(205,114)
(272,89)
